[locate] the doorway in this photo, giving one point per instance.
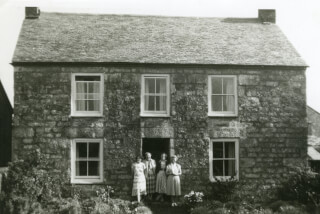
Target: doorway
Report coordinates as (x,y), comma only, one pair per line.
(156,146)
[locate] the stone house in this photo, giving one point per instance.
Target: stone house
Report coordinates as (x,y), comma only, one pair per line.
(227,95)
(313,118)
(5,128)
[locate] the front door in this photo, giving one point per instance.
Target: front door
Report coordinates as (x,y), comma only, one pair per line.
(156,146)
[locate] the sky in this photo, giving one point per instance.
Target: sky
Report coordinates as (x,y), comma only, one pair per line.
(298,19)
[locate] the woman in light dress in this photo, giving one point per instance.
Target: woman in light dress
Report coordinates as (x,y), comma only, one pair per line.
(161,184)
(173,182)
(139,179)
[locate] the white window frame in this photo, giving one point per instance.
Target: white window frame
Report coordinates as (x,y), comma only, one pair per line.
(223,178)
(86,179)
(75,113)
(222,113)
(144,113)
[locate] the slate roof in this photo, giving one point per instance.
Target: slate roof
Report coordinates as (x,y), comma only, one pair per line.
(313,154)
(60,37)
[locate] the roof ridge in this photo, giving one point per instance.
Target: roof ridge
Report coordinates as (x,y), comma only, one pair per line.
(146,15)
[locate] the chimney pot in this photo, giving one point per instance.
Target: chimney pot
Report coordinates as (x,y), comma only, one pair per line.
(267,15)
(32,12)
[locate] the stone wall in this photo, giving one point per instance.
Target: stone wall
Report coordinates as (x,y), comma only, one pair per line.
(314,128)
(271,124)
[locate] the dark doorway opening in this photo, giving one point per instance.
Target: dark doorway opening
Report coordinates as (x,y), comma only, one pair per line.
(156,146)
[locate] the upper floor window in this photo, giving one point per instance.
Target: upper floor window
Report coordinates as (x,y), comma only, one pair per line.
(87,95)
(224,159)
(222,95)
(155,93)
(86,161)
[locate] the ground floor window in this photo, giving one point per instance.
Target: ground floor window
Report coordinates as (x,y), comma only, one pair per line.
(86,161)
(224,159)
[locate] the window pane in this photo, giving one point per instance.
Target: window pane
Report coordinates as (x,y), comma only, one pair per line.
(87,78)
(216,85)
(93,168)
(162,103)
(81,96)
(161,86)
(228,103)
(149,103)
(81,168)
(150,85)
(228,85)
(80,105)
(217,167)
(81,87)
(93,96)
(217,149)
(94,87)
(216,102)
(81,149)
(230,167)
(229,150)
(94,150)
(93,105)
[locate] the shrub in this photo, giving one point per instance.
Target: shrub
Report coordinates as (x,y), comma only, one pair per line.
(201,210)
(222,210)
(223,190)
(303,186)
(192,199)
(142,210)
(30,187)
(291,210)
(104,194)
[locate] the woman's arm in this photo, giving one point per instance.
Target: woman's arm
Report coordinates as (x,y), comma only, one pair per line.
(168,171)
(132,170)
(179,170)
(154,166)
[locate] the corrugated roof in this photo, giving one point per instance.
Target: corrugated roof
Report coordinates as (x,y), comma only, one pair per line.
(57,37)
(313,153)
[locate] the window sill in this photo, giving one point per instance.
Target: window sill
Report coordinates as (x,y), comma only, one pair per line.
(154,115)
(86,181)
(75,115)
(222,115)
(223,178)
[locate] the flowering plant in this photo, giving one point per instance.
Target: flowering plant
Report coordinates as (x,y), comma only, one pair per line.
(104,193)
(193,198)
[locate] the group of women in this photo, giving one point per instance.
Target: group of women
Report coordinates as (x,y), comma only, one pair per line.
(165,182)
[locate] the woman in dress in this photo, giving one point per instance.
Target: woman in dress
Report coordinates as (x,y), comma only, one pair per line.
(161,184)
(150,175)
(173,182)
(139,179)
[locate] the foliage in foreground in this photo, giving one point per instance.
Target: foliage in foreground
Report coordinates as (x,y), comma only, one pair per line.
(33,187)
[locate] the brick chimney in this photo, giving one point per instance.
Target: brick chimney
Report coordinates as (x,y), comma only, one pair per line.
(268,16)
(32,12)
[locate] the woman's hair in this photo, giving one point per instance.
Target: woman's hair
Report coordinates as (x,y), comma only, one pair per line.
(174,156)
(138,157)
(147,153)
(164,154)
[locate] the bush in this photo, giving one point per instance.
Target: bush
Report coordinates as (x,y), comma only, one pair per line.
(193,199)
(201,210)
(303,186)
(291,210)
(143,210)
(29,186)
(223,190)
